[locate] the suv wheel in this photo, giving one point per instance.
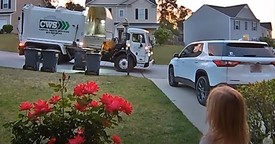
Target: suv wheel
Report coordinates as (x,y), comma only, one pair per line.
(202,89)
(171,77)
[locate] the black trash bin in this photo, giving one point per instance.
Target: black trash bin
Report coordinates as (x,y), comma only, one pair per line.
(92,63)
(32,59)
(49,60)
(79,59)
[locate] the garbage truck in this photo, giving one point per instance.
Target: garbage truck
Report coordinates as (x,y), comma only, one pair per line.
(90,30)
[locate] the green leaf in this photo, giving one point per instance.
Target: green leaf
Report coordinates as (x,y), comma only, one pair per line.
(21,116)
(52,84)
(119,118)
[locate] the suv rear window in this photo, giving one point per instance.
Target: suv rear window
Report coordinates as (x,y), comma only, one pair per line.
(248,50)
(240,50)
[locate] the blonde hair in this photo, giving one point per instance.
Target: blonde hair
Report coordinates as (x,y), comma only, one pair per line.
(226,115)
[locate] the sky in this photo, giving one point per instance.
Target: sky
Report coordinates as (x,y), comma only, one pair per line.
(264,10)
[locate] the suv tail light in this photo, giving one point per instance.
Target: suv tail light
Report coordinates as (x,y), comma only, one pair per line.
(224,63)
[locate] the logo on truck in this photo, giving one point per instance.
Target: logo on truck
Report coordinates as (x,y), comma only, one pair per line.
(54,26)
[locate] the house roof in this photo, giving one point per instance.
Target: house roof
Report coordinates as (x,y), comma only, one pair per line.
(127,1)
(266,25)
(231,11)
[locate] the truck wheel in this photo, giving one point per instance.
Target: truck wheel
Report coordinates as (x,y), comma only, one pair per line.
(202,89)
(63,58)
(121,63)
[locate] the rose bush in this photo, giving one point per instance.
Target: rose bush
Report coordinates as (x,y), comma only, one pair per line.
(76,118)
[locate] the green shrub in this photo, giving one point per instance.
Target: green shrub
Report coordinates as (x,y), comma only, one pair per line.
(162,35)
(268,40)
(7,28)
(260,99)
(1,31)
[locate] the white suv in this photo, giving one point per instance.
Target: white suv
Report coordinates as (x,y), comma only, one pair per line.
(206,64)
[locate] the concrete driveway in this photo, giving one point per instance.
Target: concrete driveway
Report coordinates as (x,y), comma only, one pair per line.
(183,97)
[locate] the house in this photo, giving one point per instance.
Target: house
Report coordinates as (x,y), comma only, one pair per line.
(266,29)
(216,22)
(139,13)
(10,11)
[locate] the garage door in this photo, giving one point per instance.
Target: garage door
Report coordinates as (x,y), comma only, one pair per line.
(2,22)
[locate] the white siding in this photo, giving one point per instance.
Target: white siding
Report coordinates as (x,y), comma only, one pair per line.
(142,4)
(206,23)
(238,34)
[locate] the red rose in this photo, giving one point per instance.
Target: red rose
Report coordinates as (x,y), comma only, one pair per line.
(116,139)
(113,106)
(54,99)
(91,88)
(77,140)
(52,140)
(25,106)
(31,115)
(79,90)
(80,107)
(41,106)
(94,103)
(126,107)
(106,98)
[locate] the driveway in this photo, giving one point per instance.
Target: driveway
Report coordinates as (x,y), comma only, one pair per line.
(183,97)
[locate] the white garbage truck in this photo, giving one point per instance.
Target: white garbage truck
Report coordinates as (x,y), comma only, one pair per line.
(92,29)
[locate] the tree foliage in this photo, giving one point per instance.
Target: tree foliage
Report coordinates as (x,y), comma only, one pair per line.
(162,35)
(268,40)
(49,3)
(171,15)
(72,6)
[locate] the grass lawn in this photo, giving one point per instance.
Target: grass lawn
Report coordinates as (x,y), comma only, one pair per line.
(8,42)
(162,54)
(155,119)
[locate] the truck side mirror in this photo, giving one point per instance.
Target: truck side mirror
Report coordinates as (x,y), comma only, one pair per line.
(176,55)
(127,36)
(152,42)
(140,38)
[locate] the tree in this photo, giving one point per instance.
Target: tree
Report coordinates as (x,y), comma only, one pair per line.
(171,15)
(268,40)
(49,3)
(75,7)
(162,35)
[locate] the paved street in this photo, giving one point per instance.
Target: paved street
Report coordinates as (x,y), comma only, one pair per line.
(183,97)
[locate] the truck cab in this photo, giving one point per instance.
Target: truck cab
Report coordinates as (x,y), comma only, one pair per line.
(115,45)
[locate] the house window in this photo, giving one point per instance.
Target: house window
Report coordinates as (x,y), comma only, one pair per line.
(5,4)
(236,24)
(254,26)
(141,14)
(121,13)
(245,25)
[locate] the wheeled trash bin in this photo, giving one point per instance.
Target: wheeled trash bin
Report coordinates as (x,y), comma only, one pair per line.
(79,59)
(32,58)
(92,63)
(49,60)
